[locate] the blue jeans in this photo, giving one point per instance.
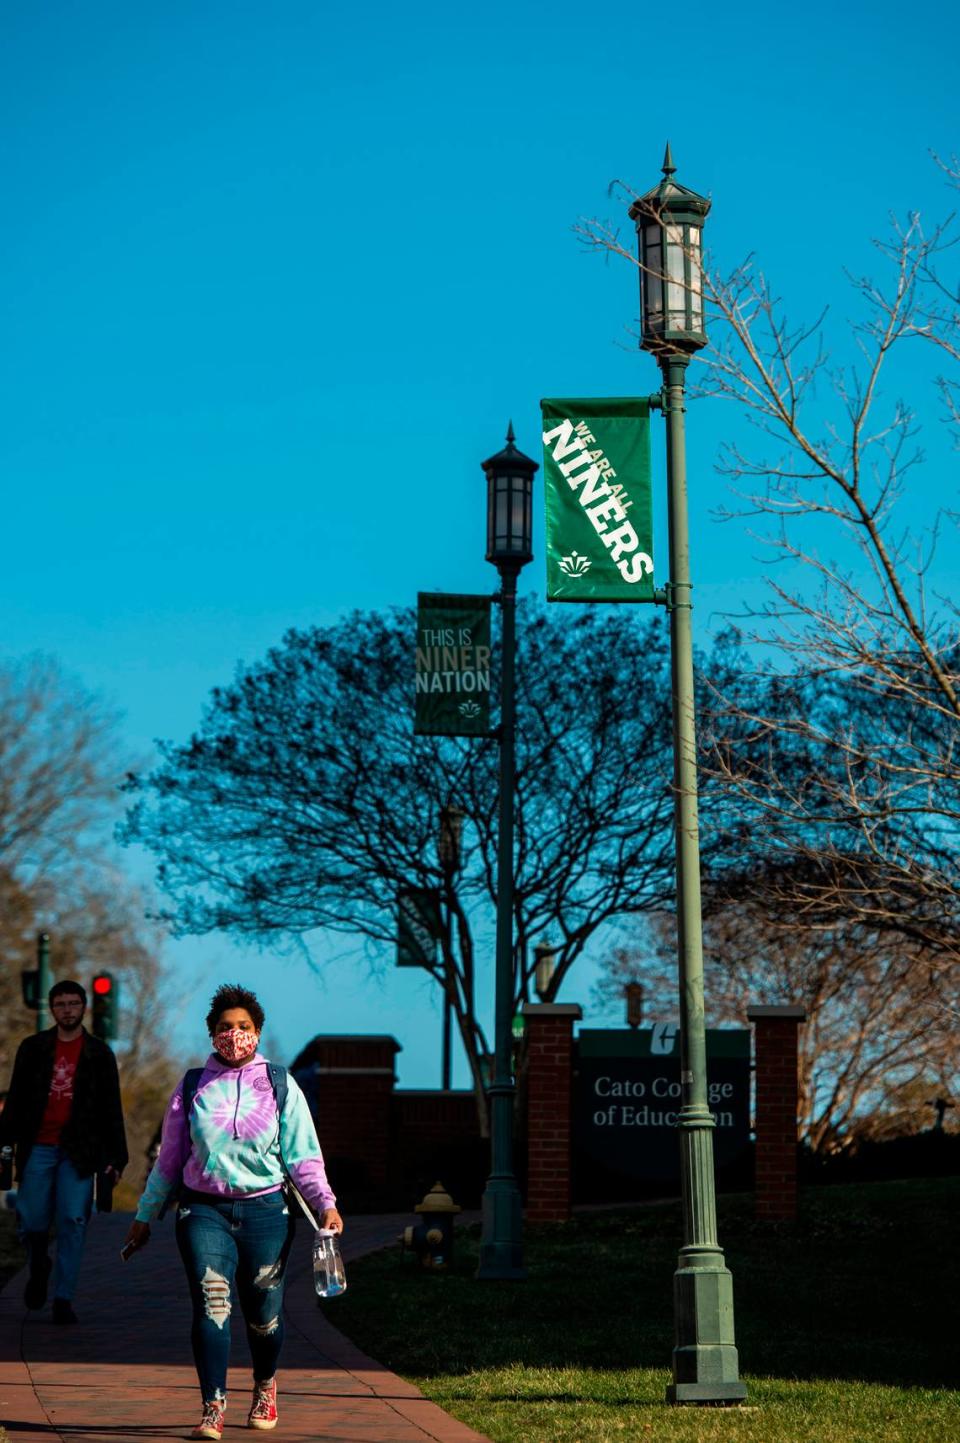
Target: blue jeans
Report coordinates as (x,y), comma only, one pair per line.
(51,1190)
(225,1242)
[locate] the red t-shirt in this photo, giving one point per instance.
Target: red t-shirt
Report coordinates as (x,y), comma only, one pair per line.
(60,1101)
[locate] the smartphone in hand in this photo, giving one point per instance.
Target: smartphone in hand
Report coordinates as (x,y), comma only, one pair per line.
(126,1252)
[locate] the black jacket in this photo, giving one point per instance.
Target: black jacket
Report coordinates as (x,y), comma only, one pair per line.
(94,1137)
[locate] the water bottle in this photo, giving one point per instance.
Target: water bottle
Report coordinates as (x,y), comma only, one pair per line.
(329,1278)
(6,1168)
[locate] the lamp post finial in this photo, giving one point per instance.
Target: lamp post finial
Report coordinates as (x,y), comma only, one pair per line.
(668,165)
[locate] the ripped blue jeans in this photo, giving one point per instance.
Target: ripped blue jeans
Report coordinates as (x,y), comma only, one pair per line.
(234,1242)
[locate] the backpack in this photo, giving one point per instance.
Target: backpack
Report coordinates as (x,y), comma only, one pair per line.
(188,1091)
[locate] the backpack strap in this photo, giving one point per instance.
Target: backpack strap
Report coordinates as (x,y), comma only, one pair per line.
(188,1088)
(278,1081)
(278,1078)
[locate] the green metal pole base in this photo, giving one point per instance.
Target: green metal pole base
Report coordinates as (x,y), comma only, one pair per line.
(705,1362)
(501,1243)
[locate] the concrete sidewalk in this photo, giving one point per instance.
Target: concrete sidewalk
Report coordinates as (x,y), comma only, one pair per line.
(125,1374)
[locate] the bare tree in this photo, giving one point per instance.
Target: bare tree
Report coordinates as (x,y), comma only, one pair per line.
(865,828)
(58,778)
(60,771)
(18,927)
(96,922)
(59,768)
(305,801)
(878,1042)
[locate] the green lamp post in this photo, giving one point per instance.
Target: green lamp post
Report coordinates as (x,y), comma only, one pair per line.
(449,844)
(43,981)
(509,547)
(669,221)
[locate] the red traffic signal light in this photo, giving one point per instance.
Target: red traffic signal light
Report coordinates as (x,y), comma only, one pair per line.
(106,1006)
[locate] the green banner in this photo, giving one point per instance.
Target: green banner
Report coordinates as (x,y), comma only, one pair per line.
(418,927)
(453,665)
(596,469)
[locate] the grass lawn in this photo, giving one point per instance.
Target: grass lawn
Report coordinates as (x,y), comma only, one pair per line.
(846,1325)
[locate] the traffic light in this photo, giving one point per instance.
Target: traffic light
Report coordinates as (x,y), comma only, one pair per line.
(106,1006)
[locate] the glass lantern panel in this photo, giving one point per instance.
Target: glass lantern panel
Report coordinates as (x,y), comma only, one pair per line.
(502,515)
(652,276)
(696,263)
(518,516)
(696,280)
(676,290)
(654,306)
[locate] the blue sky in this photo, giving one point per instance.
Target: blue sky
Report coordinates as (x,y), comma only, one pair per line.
(273,279)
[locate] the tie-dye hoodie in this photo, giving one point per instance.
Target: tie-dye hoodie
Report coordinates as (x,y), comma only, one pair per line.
(230,1145)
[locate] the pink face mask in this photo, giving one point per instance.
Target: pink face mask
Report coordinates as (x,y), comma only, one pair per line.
(236,1044)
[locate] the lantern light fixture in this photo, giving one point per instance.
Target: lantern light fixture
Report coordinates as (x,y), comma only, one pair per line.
(510,505)
(669,220)
(544,967)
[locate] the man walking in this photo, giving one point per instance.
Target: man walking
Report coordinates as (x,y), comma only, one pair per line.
(64,1118)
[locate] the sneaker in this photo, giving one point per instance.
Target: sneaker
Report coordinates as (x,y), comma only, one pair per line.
(35,1293)
(211,1424)
(63,1311)
(263,1414)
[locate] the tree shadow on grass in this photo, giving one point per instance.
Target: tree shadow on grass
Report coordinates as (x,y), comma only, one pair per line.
(858,1288)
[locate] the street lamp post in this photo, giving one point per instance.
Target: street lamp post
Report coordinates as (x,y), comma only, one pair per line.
(448,853)
(43,981)
(633,995)
(509,547)
(669,221)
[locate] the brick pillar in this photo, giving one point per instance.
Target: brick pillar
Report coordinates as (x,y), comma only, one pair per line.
(353,1081)
(777,1097)
(549,1107)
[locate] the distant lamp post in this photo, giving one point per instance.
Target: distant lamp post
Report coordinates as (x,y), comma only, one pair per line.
(940,1105)
(43,981)
(669,221)
(449,840)
(545,964)
(633,996)
(509,547)
(448,855)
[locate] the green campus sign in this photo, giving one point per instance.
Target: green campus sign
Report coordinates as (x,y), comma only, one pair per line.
(596,468)
(453,665)
(627,1100)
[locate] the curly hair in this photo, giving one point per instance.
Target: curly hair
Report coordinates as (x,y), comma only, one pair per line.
(231,994)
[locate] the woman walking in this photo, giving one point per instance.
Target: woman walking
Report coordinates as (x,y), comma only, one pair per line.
(233,1131)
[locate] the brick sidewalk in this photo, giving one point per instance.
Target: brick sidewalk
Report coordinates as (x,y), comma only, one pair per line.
(125,1375)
